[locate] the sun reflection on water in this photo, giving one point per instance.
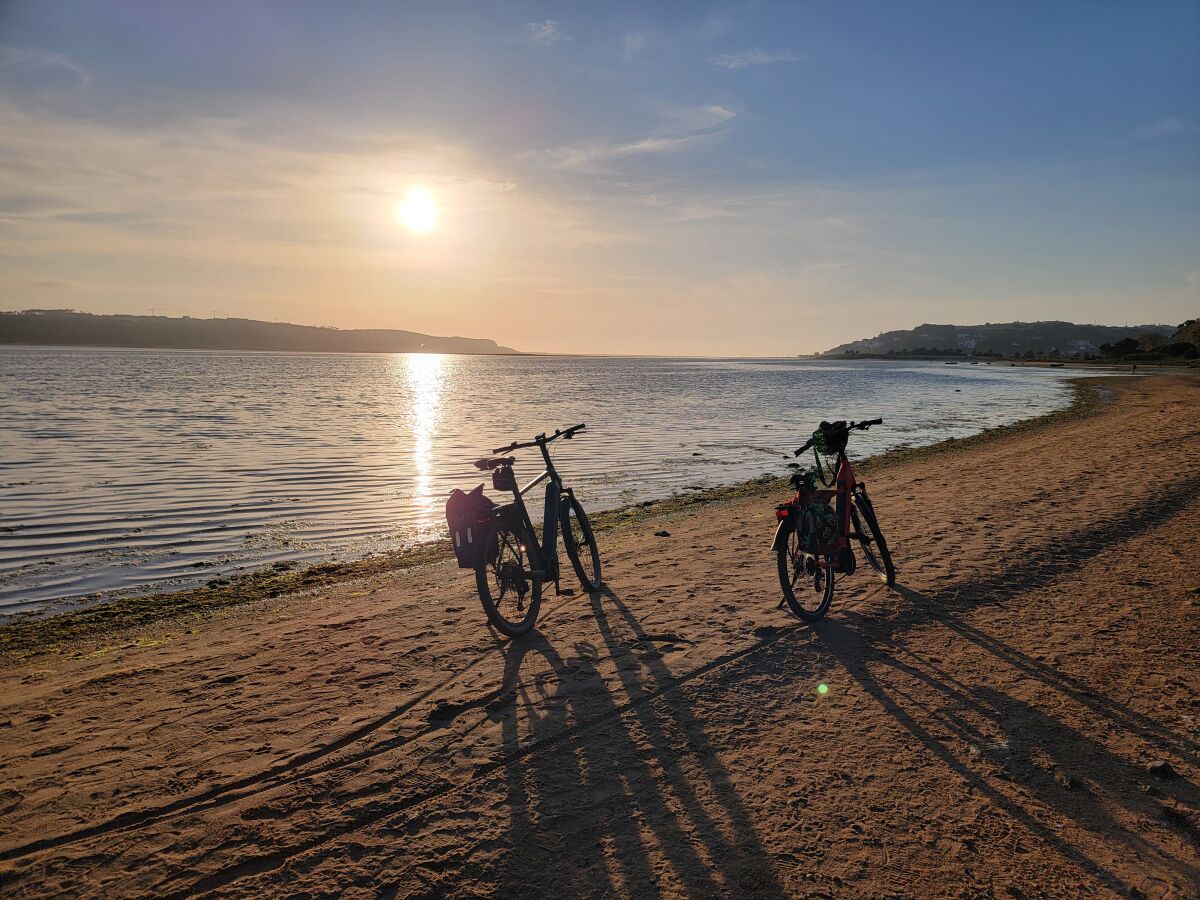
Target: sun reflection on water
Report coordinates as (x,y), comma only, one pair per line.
(425,373)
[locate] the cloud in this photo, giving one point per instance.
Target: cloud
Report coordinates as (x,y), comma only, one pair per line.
(698,118)
(754,57)
(685,127)
(546,33)
(1166,127)
(587,157)
(23,68)
(634,43)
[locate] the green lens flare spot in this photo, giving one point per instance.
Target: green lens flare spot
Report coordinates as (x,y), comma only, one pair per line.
(822,688)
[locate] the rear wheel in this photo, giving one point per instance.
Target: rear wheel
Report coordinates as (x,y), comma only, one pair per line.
(580,544)
(874,547)
(509,590)
(807,582)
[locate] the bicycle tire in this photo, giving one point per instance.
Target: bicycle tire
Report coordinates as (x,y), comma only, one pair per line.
(505,572)
(790,574)
(878,557)
(574,520)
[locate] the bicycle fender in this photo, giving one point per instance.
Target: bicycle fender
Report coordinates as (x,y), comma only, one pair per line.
(781,535)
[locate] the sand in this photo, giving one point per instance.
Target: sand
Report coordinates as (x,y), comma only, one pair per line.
(991,727)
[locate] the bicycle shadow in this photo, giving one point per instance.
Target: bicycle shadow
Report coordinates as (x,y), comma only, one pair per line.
(1041,566)
(623,793)
(1020,743)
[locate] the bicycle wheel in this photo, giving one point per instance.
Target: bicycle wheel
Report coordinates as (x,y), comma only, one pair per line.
(580,544)
(807,586)
(874,547)
(509,590)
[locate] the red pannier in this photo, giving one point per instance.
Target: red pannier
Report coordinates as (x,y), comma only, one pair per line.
(468,516)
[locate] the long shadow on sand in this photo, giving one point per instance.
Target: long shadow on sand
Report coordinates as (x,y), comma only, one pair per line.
(1007,740)
(632,799)
(1040,566)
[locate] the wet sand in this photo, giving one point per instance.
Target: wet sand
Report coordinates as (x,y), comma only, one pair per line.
(992,726)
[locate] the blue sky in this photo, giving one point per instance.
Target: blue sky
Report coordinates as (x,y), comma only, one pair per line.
(680,178)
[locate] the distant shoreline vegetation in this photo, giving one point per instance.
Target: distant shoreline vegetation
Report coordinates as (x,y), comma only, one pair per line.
(62,327)
(1033,341)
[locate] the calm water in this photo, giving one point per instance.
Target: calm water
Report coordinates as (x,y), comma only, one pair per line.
(124,471)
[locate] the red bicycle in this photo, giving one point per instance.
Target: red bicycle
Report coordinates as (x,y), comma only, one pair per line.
(813,540)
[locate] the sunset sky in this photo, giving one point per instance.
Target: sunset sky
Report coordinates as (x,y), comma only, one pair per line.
(684,178)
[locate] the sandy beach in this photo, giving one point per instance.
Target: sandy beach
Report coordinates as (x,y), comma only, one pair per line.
(1019,717)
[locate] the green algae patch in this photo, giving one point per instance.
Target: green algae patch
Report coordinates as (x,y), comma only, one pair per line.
(28,637)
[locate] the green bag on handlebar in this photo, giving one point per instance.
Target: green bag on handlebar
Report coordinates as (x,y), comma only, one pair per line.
(831,438)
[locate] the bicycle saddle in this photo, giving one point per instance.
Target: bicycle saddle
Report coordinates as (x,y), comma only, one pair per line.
(493,462)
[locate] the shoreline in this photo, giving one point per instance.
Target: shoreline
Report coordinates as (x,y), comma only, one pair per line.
(33,633)
(1016,716)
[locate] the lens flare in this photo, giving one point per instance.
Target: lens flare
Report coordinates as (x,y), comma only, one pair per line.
(822,688)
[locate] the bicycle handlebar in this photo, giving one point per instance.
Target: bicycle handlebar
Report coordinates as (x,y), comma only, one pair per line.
(834,427)
(541,439)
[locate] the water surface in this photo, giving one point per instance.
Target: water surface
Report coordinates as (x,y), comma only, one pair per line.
(129,470)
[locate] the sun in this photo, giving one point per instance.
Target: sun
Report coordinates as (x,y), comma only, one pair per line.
(418,211)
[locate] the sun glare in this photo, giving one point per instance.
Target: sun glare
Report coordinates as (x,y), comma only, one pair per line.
(418,211)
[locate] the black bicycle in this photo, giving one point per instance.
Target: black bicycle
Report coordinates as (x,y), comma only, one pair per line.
(514,565)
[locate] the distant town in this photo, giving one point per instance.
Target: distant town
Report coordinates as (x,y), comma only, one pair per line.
(1035,340)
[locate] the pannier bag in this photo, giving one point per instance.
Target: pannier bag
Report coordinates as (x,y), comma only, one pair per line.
(467,516)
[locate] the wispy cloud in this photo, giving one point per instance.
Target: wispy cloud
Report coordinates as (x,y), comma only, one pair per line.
(634,43)
(686,127)
(687,119)
(1166,127)
(754,57)
(590,157)
(547,32)
(36,68)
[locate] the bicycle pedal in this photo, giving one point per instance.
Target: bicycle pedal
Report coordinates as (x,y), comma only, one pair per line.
(565,592)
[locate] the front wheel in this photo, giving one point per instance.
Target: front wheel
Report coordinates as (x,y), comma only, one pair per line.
(580,544)
(807,581)
(511,593)
(874,547)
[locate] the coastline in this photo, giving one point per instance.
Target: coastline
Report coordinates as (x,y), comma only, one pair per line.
(33,633)
(1016,716)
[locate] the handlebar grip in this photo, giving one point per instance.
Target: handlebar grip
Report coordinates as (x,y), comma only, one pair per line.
(871,422)
(802,449)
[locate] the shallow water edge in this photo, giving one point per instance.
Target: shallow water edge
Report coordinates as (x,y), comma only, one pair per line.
(33,633)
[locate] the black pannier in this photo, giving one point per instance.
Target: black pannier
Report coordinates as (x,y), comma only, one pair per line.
(468,516)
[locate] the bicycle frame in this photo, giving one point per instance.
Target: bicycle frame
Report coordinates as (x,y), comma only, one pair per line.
(544,558)
(843,488)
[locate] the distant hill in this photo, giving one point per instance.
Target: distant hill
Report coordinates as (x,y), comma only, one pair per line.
(60,326)
(1006,339)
